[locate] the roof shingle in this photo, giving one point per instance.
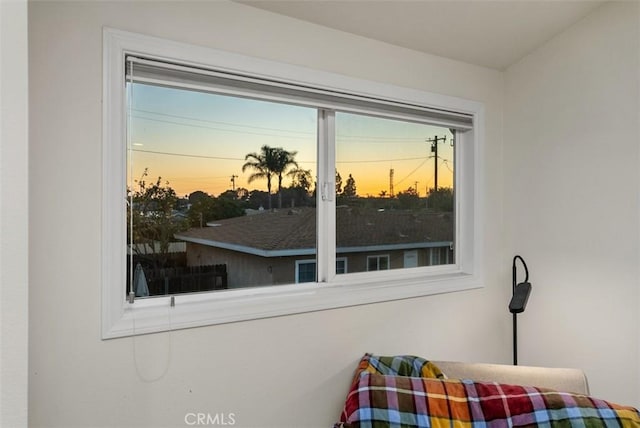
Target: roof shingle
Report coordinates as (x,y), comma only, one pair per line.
(355,227)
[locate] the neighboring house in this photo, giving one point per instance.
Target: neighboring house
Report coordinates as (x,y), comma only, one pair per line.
(279,247)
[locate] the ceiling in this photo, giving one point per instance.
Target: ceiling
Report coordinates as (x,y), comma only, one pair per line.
(493,34)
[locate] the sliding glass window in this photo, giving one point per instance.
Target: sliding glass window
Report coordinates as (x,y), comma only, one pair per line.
(236,182)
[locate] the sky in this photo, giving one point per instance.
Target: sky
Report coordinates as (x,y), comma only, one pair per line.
(198,141)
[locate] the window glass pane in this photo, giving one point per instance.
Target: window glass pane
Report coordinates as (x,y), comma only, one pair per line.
(394,193)
(221,191)
(372,263)
(383,263)
(306,271)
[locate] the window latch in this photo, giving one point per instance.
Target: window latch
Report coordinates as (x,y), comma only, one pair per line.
(327,191)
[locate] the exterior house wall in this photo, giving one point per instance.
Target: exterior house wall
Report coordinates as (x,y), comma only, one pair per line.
(244,269)
(249,270)
(357,262)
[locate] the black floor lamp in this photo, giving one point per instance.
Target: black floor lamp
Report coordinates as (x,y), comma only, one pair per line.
(519,296)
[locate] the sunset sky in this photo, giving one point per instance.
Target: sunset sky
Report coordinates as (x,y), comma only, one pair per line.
(198,141)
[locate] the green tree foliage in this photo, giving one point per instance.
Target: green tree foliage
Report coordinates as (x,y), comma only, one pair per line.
(206,208)
(441,200)
(257,199)
(242,194)
(196,196)
(408,199)
(301,178)
(152,219)
(350,187)
(299,193)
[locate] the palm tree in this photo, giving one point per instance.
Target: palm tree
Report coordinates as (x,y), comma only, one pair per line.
(269,162)
(264,164)
(301,178)
(284,160)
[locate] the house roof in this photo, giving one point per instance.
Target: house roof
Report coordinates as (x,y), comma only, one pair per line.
(293,231)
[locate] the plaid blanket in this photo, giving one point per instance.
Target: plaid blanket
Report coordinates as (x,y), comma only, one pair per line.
(384,399)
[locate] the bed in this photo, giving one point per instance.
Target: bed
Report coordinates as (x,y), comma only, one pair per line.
(409,391)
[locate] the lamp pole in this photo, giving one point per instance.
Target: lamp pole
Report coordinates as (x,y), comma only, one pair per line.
(515,315)
(519,297)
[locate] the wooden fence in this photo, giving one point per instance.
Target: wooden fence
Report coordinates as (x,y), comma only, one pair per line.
(188,279)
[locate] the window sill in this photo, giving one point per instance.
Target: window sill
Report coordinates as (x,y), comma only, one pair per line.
(154,315)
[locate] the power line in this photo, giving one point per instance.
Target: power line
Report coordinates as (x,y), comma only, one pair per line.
(446,163)
(220,123)
(414,170)
(443,161)
(216,129)
(366,138)
(369,138)
(380,160)
(186,155)
(242,159)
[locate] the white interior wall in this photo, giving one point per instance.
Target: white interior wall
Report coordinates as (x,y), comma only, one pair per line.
(571,198)
(13,214)
(288,371)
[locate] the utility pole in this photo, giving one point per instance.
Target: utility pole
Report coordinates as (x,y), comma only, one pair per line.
(416,187)
(391,183)
(233,182)
(434,149)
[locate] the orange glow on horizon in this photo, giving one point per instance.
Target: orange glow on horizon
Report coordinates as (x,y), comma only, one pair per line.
(198,141)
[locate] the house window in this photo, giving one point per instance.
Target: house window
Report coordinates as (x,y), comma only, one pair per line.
(235,178)
(440,256)
(377,263)
(306,269)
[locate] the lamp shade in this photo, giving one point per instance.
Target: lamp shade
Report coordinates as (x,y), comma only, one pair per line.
(520,297)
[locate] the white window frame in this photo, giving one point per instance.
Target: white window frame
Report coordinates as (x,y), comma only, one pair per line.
(120,318)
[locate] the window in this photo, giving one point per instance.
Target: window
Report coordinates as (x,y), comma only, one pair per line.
(235,180)
(216,180)
(377,263)
(306,269)
(440,255)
